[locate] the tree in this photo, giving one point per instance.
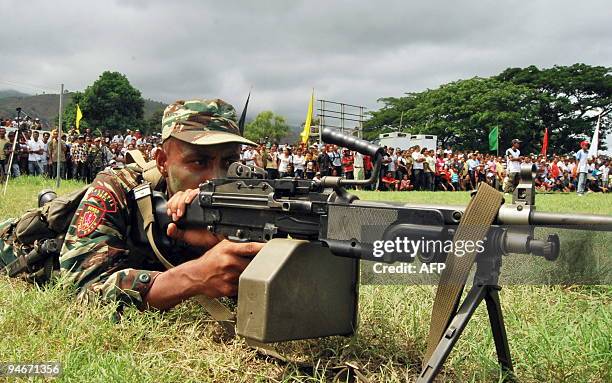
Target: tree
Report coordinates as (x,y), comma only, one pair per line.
(520,102)
(570,99)
(461,113)
(110,103)
(153,123)
(267,126)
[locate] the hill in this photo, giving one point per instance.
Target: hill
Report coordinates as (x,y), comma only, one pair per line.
(4,93)
(46,106)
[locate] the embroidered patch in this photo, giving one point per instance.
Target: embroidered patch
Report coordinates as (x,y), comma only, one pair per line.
(106,198)
(101,201)
(89,219)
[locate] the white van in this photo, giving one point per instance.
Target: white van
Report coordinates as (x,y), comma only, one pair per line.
(406,140)
(394,140)
(424,141)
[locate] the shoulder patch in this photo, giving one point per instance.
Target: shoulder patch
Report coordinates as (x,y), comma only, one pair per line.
(99,202)
(106,197)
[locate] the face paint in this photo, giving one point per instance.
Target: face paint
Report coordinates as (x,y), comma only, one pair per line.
(189,165)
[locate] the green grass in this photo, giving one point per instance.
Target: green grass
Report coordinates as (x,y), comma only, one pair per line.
(556,333)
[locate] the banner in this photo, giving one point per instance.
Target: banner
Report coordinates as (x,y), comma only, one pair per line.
(595,139)
(243,115)
(79,115)
(306,133)
(493,138)
(545,142)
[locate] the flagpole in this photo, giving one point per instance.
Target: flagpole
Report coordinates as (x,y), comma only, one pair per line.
(497,151)
(59,138)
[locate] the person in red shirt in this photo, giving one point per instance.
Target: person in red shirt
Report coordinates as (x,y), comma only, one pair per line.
(390,182)
(554,169)
(347,164)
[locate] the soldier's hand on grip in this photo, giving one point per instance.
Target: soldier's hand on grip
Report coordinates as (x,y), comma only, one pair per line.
(220,267)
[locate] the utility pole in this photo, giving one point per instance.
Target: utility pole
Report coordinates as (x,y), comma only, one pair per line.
(59,137)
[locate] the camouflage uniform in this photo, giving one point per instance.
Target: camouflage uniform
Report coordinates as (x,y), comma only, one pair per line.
(98,254)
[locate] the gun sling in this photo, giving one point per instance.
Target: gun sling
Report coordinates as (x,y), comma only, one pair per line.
(216,309)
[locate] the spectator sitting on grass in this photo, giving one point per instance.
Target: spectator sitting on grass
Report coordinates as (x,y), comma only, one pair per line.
(405,184)
(389,182)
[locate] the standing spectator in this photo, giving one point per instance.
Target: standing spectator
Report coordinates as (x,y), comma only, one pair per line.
(472,165)
(78,153)
(454,177)
(101,157)
(272,162)
(3,160)
(259,157)
(53,148)
(45,155)
(128,139)
(430,169)
(417,168)
(299,161)
(582,157)
(284,160)
(336,160)
(311,164)
(605,173)
(513,166)
(248,156)
(23,154)
(324,161)
(347,164)
(358,170)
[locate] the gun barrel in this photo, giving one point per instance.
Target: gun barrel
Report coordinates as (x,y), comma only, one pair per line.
(568,221)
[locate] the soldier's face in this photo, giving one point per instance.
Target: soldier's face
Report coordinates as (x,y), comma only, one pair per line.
(185,166)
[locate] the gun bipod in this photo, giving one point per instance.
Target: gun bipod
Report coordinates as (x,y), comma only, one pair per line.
(485,288)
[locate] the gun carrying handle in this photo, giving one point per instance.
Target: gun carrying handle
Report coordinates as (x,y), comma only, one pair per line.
(333,136)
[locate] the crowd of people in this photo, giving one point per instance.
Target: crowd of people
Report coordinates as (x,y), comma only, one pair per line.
(419,168)
(83,155)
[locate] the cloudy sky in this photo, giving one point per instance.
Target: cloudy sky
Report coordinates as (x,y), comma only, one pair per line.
(349,51)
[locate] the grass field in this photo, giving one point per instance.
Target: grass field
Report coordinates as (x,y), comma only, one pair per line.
(557,334)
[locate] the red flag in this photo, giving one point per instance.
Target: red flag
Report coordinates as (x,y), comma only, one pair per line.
(545,142)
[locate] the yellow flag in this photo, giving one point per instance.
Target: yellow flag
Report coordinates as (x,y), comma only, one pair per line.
(79,115)
(306,133)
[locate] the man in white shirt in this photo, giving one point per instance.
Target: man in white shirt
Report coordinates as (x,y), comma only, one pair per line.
(514,159)
(417,168)
(582,162)
(358,165)
(36,149)
(128,138)
(45,155)
(298,163)
(605,173)
(249,156)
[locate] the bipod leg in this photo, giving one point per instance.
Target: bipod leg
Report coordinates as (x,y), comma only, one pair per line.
(499,332)
(452,333)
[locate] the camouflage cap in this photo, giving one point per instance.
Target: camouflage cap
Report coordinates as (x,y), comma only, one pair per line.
(202,122)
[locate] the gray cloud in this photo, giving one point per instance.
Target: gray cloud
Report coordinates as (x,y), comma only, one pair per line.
(350,51)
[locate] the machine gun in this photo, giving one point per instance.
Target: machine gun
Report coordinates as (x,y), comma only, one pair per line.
(304,283)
